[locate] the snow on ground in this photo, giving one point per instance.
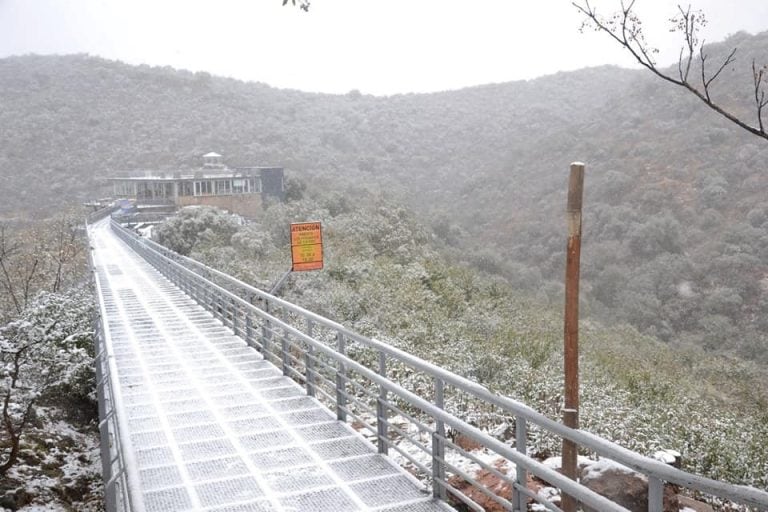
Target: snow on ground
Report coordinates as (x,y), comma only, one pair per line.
(59,469)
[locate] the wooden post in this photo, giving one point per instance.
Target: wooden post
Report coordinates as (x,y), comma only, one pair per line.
(571,330)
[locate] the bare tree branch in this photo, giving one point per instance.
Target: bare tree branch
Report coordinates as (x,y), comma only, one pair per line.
(626,29)
(760,99)
(303,4)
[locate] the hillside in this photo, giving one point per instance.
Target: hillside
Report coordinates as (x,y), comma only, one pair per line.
(676,239)
(381,279)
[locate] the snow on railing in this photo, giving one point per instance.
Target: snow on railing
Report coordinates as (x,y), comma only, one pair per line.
(413,410)
(121,488)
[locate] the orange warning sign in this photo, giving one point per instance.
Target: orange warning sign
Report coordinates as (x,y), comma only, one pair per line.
(306,246)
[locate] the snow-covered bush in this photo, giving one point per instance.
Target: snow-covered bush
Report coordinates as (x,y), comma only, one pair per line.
(47,350)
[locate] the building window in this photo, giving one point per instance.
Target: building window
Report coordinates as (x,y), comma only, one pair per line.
(123,189)
(203,188)
(223,187)
(239,186)
(186,188)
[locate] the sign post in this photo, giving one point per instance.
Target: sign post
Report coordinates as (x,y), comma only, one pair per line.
(306,246)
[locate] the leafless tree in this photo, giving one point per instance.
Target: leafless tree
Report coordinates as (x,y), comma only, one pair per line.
(20,269)
(626,28)
(46,256)
(303,4)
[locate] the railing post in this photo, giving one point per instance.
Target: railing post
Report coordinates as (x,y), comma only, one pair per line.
(249,330)
(233,313)
(381,408)
(438,446)
(110,496)
(521,434)
(209,297)
(655,494)
(309,360)
(341,380)
(284,352)
(266,333)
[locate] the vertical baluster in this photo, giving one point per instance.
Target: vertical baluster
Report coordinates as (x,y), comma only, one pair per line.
(248,321)
(309,361)
(438,446)
(266,333)
(521,435)
(341,380)
(381,409)
(233,309)
(655,494)
(249,329)
(209,299)
(284,342)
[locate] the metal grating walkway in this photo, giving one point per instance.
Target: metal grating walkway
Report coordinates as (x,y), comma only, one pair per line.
(215,427)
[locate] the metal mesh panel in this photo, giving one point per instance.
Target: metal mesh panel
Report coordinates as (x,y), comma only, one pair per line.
(150,439)
(158,478)
(231,490)
(167,500)
(243,411)
(430,505)
(197,433)
(280,393)
(251,425)
(206,449)
(342,448)
(160,456)
(324,431)
(259,506)
(327,500)
(383,491)
(319,415)
(298,479)
(217,468)
(262,440)
(361,468)
(283,458)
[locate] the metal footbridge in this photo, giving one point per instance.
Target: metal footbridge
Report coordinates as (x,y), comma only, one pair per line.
(216,396)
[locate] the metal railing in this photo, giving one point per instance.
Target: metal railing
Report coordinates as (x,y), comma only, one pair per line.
(99,214)
(141,217)
(118,468)
(417,412)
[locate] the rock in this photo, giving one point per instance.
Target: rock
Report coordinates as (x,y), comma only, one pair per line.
(15,500)
(692,505)
(503,432)
(623,486)
(670,457)
(556,463)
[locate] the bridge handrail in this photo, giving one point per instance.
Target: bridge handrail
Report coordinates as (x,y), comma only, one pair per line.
(656,471)
(121,483)
(99,214)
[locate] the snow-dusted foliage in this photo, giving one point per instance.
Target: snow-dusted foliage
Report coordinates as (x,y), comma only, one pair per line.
(383,278)
(47,350)
(194,228)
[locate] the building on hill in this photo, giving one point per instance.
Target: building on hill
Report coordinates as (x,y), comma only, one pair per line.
(241,190)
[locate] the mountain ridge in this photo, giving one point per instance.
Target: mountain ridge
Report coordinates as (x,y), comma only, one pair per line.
(674,195)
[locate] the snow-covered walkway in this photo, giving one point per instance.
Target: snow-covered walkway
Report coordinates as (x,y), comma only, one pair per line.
(215,427)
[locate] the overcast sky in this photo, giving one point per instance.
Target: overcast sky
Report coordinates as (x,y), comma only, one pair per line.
(375,46)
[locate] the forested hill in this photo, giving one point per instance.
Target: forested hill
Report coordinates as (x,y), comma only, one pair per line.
(675,208)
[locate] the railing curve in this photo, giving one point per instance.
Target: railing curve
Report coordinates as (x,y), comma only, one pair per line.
(358,377)
(118,467)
